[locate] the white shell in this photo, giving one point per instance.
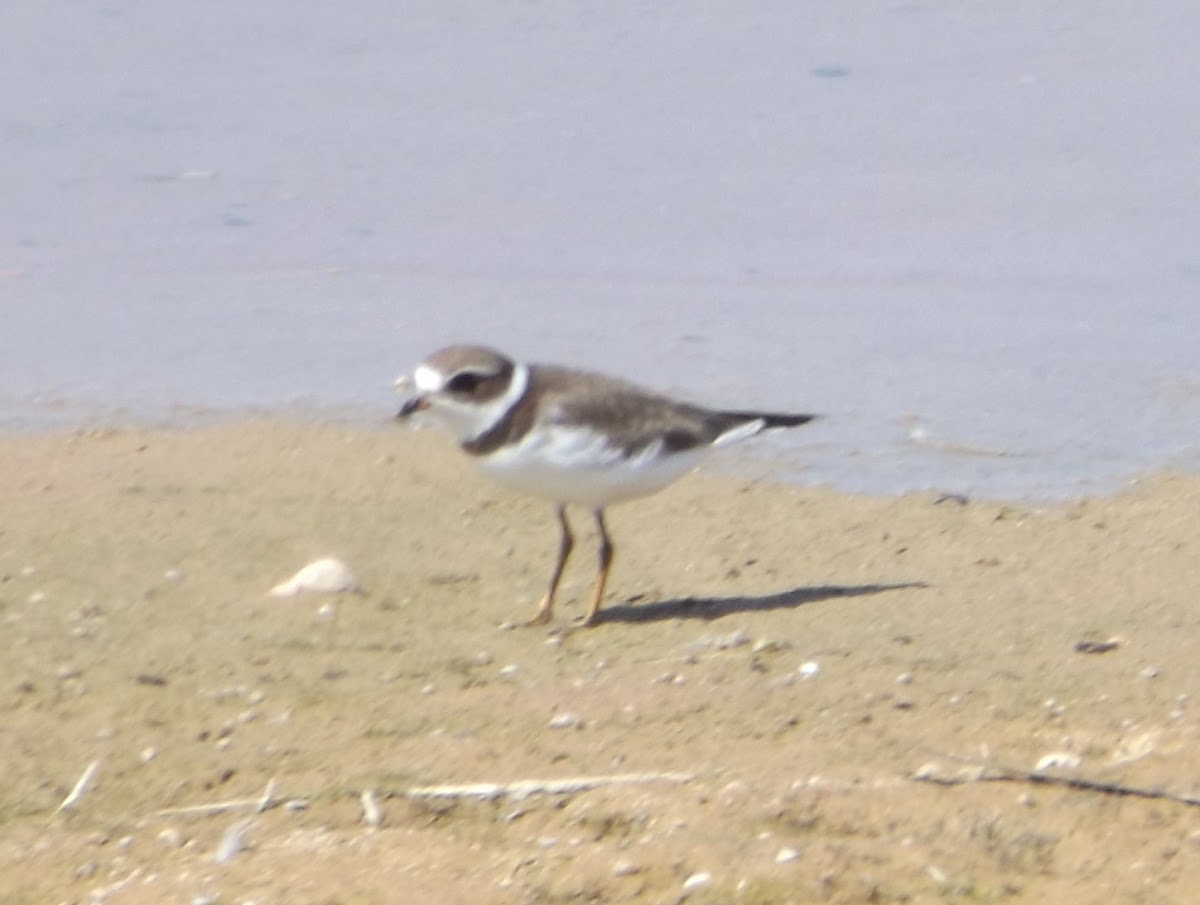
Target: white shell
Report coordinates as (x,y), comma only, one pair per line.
(328,575)
(697,881)
(233,842)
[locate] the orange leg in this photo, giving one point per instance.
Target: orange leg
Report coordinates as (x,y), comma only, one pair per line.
(607,551)
(545,610)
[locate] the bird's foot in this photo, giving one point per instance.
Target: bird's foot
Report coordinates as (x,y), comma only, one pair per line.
(541,617)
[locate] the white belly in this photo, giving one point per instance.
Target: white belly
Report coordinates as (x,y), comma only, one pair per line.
(569,465)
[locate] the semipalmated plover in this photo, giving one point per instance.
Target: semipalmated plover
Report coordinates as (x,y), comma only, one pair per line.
(571,436)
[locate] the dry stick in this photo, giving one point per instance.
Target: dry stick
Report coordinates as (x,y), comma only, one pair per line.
(263,802)
(488,791)
(485,791)
(989,773)
(217,807)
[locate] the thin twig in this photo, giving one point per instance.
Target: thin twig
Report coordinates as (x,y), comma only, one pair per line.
(977,772)
(81,786)
(217,807)
(489,791)
(263,802)
(268,796)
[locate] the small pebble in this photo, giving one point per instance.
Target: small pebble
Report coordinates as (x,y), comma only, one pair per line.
(732,640)
(171,837)
(1057,760)
(86,870)
(565,721)
(810,670)
(625,868)
(905,678)
(766,645)
(1150,672)
(510,670)
(786,856)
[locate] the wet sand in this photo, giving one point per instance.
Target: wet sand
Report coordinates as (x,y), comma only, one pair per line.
(797,653)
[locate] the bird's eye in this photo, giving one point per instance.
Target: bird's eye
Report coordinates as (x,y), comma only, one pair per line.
(466,382)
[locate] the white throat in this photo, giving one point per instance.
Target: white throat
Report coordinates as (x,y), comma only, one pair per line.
(471,420)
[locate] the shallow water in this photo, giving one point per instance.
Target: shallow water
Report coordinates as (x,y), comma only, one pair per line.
(971,236)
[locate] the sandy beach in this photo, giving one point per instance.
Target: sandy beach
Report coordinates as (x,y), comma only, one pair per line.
(779,674)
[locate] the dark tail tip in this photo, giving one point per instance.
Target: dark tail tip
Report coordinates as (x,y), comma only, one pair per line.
(786,420)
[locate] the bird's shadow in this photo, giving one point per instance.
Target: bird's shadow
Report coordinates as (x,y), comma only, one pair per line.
(709,608)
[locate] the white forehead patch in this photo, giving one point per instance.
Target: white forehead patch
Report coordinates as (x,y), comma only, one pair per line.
(427,379)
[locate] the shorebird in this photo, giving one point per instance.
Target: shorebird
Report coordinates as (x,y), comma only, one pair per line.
(570,436)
